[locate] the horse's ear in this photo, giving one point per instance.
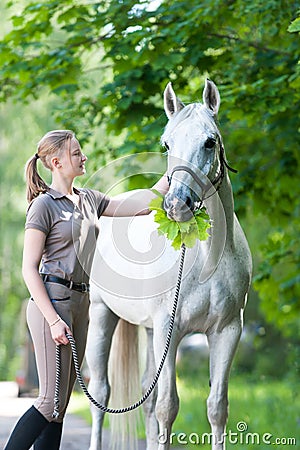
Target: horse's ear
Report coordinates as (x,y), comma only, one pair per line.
(211,96)
(172,104)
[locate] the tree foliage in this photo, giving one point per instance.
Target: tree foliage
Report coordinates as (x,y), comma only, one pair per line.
(108,63)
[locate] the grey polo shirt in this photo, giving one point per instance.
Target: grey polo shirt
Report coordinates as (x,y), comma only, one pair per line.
(71,231)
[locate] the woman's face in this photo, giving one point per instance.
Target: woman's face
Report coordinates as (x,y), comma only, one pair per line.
(73,163)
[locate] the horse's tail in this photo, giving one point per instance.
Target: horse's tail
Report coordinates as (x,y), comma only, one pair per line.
(125,382)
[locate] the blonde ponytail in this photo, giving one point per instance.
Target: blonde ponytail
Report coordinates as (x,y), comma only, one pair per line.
(35,184)
(52,144)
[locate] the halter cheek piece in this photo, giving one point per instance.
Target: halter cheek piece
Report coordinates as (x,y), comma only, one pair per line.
(204,183)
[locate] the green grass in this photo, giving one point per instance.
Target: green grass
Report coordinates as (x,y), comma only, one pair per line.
(266,406)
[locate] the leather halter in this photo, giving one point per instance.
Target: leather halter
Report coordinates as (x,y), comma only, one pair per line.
(204,184)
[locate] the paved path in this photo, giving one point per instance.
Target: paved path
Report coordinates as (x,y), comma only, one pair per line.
(76,434)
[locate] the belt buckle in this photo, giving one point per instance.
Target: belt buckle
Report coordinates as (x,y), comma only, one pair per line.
(84,287)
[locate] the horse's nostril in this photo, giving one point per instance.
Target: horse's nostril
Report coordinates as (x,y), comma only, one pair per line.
(189,202)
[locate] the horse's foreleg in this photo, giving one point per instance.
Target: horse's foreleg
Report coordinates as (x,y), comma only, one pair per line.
(149,405)
(167,403)
(101,328)
(222,347)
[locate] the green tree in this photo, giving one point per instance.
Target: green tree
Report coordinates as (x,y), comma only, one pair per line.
(108,63)
(17,135)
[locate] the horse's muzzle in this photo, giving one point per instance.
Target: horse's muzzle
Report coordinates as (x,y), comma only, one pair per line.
(178,209)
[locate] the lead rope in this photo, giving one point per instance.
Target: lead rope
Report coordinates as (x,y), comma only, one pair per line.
(156,377)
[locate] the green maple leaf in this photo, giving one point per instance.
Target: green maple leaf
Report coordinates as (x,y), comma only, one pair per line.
(201,213)
(157,202)
(180,232)
(176,244)
(166,226)
(203,225)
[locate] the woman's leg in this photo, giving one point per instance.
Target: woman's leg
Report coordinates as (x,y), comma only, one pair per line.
(74,312)
(79,308)
(50,437)
(27,429)
(80,315)
(45,352)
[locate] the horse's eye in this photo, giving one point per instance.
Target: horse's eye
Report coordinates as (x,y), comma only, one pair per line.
(166,146)
(210,143)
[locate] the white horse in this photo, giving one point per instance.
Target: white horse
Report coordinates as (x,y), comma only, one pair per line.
(137,284)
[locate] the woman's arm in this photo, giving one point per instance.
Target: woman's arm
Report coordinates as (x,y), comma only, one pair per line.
(34,242)
(135,202)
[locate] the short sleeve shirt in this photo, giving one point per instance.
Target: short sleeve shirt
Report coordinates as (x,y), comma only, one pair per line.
(71,231)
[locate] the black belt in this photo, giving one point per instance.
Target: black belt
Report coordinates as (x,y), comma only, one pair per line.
(81,287)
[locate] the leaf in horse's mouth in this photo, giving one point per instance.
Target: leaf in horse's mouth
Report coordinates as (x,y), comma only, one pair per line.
(180,232)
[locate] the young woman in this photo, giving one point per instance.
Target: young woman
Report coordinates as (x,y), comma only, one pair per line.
(60,237)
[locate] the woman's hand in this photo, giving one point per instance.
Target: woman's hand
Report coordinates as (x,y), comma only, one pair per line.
(59,329)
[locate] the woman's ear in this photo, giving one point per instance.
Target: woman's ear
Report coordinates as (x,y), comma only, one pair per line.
(55,163)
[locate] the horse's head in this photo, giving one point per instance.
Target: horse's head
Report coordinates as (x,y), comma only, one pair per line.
(195,151)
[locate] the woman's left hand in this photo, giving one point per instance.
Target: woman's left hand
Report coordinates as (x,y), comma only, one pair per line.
(59,331)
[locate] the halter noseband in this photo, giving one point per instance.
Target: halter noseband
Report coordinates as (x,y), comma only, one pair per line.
(202,184)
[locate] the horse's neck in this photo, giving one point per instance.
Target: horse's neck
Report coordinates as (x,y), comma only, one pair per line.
(221,207)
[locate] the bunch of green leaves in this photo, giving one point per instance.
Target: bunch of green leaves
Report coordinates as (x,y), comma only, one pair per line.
(180,232)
